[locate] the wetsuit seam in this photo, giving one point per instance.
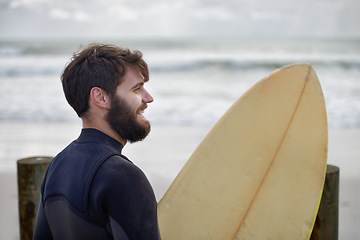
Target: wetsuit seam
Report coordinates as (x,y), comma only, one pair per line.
(91,178)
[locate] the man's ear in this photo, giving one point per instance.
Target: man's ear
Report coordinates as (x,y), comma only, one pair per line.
(99,98)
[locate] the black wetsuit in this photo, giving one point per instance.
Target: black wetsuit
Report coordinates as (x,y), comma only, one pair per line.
(91,191)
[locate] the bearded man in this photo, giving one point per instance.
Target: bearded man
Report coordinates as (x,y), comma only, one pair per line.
(92,191)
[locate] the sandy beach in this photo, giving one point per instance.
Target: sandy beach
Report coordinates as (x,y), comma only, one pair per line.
(161,157)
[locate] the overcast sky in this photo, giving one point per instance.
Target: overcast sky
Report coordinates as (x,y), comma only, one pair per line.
(178,18)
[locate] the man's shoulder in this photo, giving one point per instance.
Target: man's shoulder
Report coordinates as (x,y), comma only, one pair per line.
(117,172)
(117,177)
(119,166)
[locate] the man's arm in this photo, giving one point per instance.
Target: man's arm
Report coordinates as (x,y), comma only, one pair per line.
(123,192)
(42,229)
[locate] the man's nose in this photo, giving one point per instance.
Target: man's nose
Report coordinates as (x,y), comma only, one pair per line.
(147,98)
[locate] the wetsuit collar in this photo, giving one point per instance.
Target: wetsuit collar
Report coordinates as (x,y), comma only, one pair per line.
(91,135)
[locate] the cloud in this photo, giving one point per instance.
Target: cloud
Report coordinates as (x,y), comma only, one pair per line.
(213,13)
(258,15)
(30,4)
(81,16)
(181,18)
(59,13)
(123,12)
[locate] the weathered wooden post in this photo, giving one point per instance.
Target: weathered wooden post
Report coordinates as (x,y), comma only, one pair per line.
(327,220)
(31,172)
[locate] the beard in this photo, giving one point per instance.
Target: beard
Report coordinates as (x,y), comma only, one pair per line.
(124,121)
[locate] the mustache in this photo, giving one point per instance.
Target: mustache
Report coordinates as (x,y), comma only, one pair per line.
(142,107)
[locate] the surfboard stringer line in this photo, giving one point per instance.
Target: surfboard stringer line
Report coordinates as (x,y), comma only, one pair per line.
(276,153)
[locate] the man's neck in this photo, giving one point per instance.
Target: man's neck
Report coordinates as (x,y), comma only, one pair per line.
(104,127)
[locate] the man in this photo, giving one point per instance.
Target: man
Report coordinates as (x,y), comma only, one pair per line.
(91,191)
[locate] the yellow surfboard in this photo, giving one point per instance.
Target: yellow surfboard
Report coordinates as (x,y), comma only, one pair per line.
(259,173)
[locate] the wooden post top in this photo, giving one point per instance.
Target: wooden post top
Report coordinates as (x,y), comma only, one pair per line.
(332,169)
(35,160)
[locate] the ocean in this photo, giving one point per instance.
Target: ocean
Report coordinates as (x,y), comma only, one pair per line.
(193,81)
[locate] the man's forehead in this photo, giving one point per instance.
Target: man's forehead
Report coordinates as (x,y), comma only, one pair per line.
(132,77)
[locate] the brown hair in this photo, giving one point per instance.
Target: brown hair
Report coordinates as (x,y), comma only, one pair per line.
(98,65)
